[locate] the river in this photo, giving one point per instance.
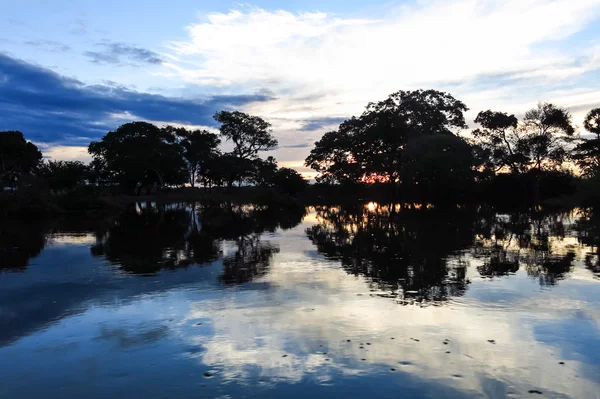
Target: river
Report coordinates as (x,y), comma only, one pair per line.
(244,301)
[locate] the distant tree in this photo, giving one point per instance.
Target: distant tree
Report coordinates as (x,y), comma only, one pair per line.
(264,171)
(540,142)
(199,147)
(229,169)
(140,153)
(439,167)
(249,134)
(372,147)
(17,157)
(99,174)
(288,181)
(587,152)
(332,157)
(547,132)
(63,175)
(500,139)
(425,111)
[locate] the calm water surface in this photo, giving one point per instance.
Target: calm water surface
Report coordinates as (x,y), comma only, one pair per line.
(170,301)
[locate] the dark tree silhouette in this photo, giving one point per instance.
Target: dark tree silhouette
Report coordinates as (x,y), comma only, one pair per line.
(288,181)
(439,167)
(264,171)
(372,147)
(540,142)
(500,139)
(249,134)
(17,158)
(199,148)
(62,175)
(548,131)
(140,153)
(587,152)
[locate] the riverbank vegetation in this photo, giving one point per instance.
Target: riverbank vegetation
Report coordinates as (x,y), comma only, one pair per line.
(414,146)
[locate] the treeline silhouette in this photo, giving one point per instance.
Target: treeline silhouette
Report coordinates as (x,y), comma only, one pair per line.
(411,142)
(141,158)
(408,146)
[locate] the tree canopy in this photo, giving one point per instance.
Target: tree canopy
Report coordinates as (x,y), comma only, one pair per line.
(63,175)
(249,134)
(540,141)
(587,151)
(372,147)
(141,153)
(17,157)
(199,147)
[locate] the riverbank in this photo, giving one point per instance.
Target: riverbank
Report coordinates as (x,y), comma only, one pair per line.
(93,200)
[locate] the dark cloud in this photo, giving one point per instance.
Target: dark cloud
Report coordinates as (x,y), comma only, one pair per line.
(49,45)
(304,145)
(319,123)
(121,53)
(48,107)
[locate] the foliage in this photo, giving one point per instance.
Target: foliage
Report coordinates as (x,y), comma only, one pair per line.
(62,175)
(548,131)
(140,153)
(587,152)
(199,148)
(17,158)
(439,167)
(372,147)
(264,171)
(500,141)
(541,141)
(288,181)
(249,134)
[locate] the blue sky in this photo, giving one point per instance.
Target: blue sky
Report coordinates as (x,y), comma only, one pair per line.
(72,70)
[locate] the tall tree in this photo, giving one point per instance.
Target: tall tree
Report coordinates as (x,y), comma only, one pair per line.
(199,147)
(249,134)
(372,147)
(17,157)
(288,181)
(439,167)
(587,152)
(140,153)
(500,139)
(547,130)
(63,175)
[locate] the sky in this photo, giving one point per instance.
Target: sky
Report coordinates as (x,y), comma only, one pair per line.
(70,71)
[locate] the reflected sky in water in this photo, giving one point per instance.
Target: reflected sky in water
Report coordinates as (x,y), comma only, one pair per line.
(249,301)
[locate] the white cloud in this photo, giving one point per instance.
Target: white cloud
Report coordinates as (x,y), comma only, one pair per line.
(320,64)
(438,41)
(65,153)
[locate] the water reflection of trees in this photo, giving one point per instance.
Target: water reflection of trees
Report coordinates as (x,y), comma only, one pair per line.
(407,251)
(588,233)
(23,240)
(19,242)
(534,240)
(150,237)
(421,254)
